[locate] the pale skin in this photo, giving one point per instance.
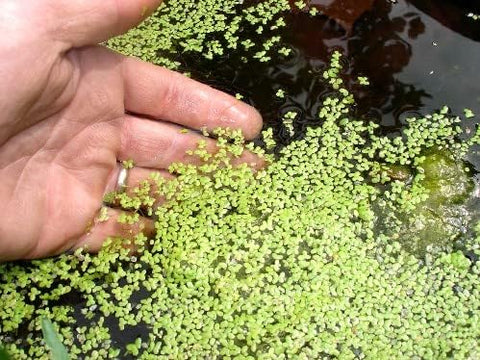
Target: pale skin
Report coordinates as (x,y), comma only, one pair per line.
(64,127)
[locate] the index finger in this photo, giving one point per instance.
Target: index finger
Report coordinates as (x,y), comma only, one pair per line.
(166,95)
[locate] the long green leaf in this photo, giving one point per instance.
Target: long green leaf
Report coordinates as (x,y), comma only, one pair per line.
(3,354)
(57,349)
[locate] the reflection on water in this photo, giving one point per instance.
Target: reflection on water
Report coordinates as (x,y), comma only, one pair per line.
(451,13)
(381,48)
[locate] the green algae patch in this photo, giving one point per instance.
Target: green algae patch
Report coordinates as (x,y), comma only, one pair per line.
(315,256)
(446,179)
(437,215)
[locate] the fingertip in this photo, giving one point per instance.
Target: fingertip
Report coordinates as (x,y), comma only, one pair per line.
(256,122)
(246,118)
(163,94)
(254,161)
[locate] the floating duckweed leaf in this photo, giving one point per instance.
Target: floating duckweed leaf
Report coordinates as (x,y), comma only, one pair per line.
(280,94)
(468,113)
(473,16)
(362,80)
(128,164)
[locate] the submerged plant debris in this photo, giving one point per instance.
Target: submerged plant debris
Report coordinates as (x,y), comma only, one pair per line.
(350,244)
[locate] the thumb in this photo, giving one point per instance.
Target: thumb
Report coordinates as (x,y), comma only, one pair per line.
(88,22)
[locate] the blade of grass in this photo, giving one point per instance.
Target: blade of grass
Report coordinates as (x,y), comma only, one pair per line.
(3,354)
(57,349)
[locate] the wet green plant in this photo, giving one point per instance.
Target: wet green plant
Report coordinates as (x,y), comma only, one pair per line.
(469,113)
(288,122)
(280,93)
(362,80)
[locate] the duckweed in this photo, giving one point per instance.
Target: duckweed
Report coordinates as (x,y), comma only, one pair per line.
(288,120)
(363,80)
(212,28)
(473,16)
(280,94)
(314,256)
(469,113)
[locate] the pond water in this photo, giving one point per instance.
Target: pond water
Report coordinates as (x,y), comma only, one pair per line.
(418,57)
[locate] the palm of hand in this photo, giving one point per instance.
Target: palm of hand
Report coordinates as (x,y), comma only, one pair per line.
(60,167)
(60,155)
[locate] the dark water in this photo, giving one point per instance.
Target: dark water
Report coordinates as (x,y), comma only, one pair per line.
(418,55)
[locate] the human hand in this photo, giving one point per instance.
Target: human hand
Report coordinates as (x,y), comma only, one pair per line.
(64,127)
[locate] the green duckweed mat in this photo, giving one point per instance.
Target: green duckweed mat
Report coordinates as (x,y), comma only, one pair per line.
(346,246)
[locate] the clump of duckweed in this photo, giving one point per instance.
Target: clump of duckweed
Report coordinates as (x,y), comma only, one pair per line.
(362,80)
(468,113)
(288,120)
(210,27)
(285,262)
(473,16)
